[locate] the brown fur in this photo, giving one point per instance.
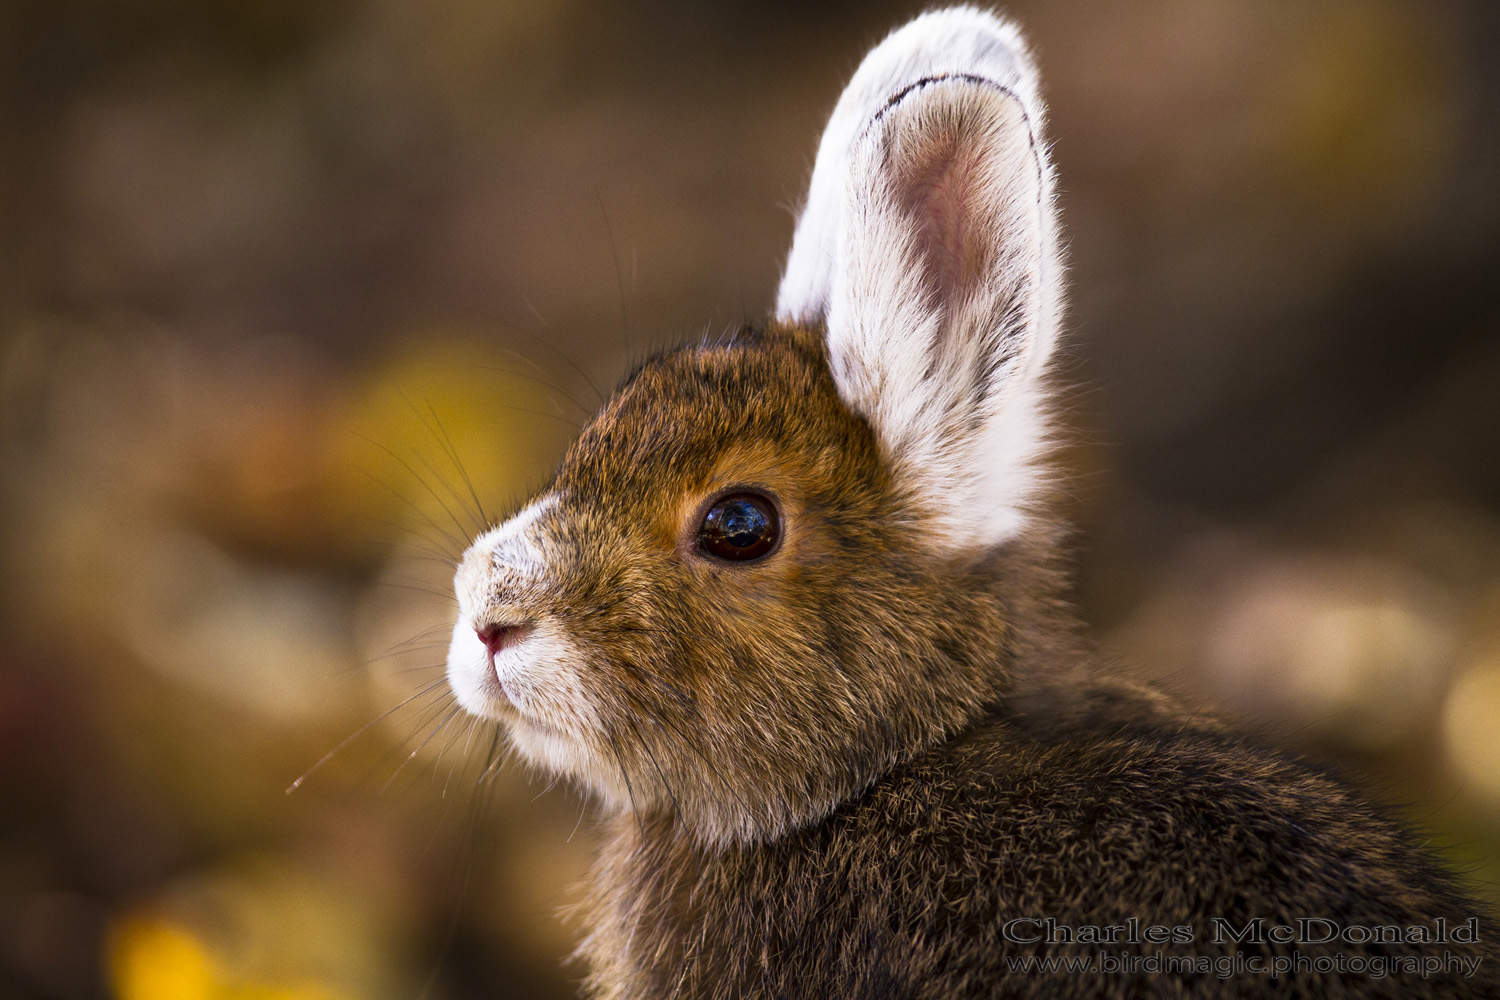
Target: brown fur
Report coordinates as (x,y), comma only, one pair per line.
(843,769)
(755,697)
(905,781)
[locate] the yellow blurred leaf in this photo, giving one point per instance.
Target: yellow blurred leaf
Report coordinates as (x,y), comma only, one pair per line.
(1471,727)
(154,959)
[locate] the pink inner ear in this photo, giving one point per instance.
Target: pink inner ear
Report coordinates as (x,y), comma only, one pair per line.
(942,198)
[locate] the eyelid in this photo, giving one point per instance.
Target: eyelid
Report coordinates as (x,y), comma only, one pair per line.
(750,487)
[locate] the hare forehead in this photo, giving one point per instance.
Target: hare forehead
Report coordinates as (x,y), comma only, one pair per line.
(704,417)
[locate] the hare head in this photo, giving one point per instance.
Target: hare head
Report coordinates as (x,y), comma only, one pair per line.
(767,570)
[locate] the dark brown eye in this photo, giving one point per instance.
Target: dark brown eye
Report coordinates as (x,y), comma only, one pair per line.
(739,527)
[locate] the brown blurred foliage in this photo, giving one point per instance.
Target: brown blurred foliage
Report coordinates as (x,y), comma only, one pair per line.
(294,296)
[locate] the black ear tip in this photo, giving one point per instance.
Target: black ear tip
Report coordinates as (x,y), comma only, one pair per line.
(941,80)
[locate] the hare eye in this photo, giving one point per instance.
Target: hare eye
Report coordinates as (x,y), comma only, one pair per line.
(739,527)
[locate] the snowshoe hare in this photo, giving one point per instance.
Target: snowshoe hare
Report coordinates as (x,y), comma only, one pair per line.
(791,608)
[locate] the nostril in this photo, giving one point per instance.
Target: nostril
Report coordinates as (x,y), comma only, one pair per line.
(499,637)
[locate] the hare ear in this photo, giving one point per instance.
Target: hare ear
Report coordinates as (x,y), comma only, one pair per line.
(929,251)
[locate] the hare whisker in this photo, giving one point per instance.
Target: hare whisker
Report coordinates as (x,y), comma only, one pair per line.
(629,788)
(425,639)
(463,533)
(584,411)
(446,719)
(456,543)
(692,745)
(556,351)
(426,689)
(656,766)
(446,441)
(459,500)
(420,588)
(614,254)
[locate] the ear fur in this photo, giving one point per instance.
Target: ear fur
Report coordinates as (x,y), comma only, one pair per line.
(928,250)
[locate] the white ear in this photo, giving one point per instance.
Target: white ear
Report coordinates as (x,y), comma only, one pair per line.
(928,248)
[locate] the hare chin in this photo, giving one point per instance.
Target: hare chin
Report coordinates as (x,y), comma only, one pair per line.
(534,688)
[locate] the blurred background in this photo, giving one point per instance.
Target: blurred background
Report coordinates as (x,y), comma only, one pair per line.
(271,271)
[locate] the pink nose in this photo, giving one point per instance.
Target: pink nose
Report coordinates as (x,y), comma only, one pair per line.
(498,637)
